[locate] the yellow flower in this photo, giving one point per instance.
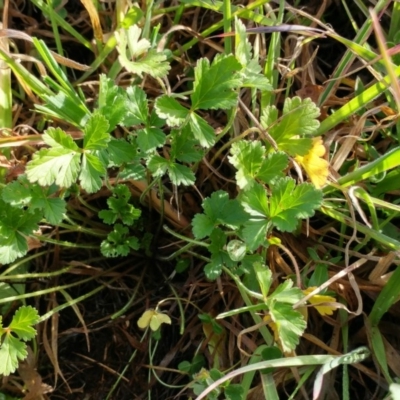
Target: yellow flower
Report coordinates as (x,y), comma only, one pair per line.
(318,299)
(314,164)
(154,319)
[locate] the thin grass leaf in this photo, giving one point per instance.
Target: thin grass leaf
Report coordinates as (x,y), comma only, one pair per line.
(353,357)
(268,97)
(348,58)
(54,68)
(327,360)
(6,94)
(46,9)
(394,23)
(25,76)
(378,348)
(355,104)
(387,298)
(384,163)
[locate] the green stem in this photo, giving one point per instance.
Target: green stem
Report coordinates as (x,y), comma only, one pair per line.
(227,12)
(185,238)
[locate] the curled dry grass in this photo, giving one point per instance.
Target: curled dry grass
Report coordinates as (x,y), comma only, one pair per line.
(82,350)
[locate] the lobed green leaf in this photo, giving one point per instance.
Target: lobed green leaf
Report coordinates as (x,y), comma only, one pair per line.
(171,110)
(11,350)
(92,171)
(96,132)
(22,322)
(299,119)
(250,159)
(137,109)
(57,165)
(215,84)
(290,324)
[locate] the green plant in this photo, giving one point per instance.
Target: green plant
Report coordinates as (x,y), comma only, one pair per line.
(113,173)
(13,338)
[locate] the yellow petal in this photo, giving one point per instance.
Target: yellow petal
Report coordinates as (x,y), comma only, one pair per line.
(316,167)
(325,310)
(154,323)
(144,320)
(158,319)
(319,299)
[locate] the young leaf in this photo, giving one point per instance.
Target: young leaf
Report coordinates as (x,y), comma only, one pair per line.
(272,167)
(299,119)
(252,77)
(250,161)
(146,60)
(12,247)
(247,158)
(255,202)
(251,72)
(57,165)
(218,209)
(131,38)
(214,84)
(243,48)
(119,207)
(118,242)
(290,324)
